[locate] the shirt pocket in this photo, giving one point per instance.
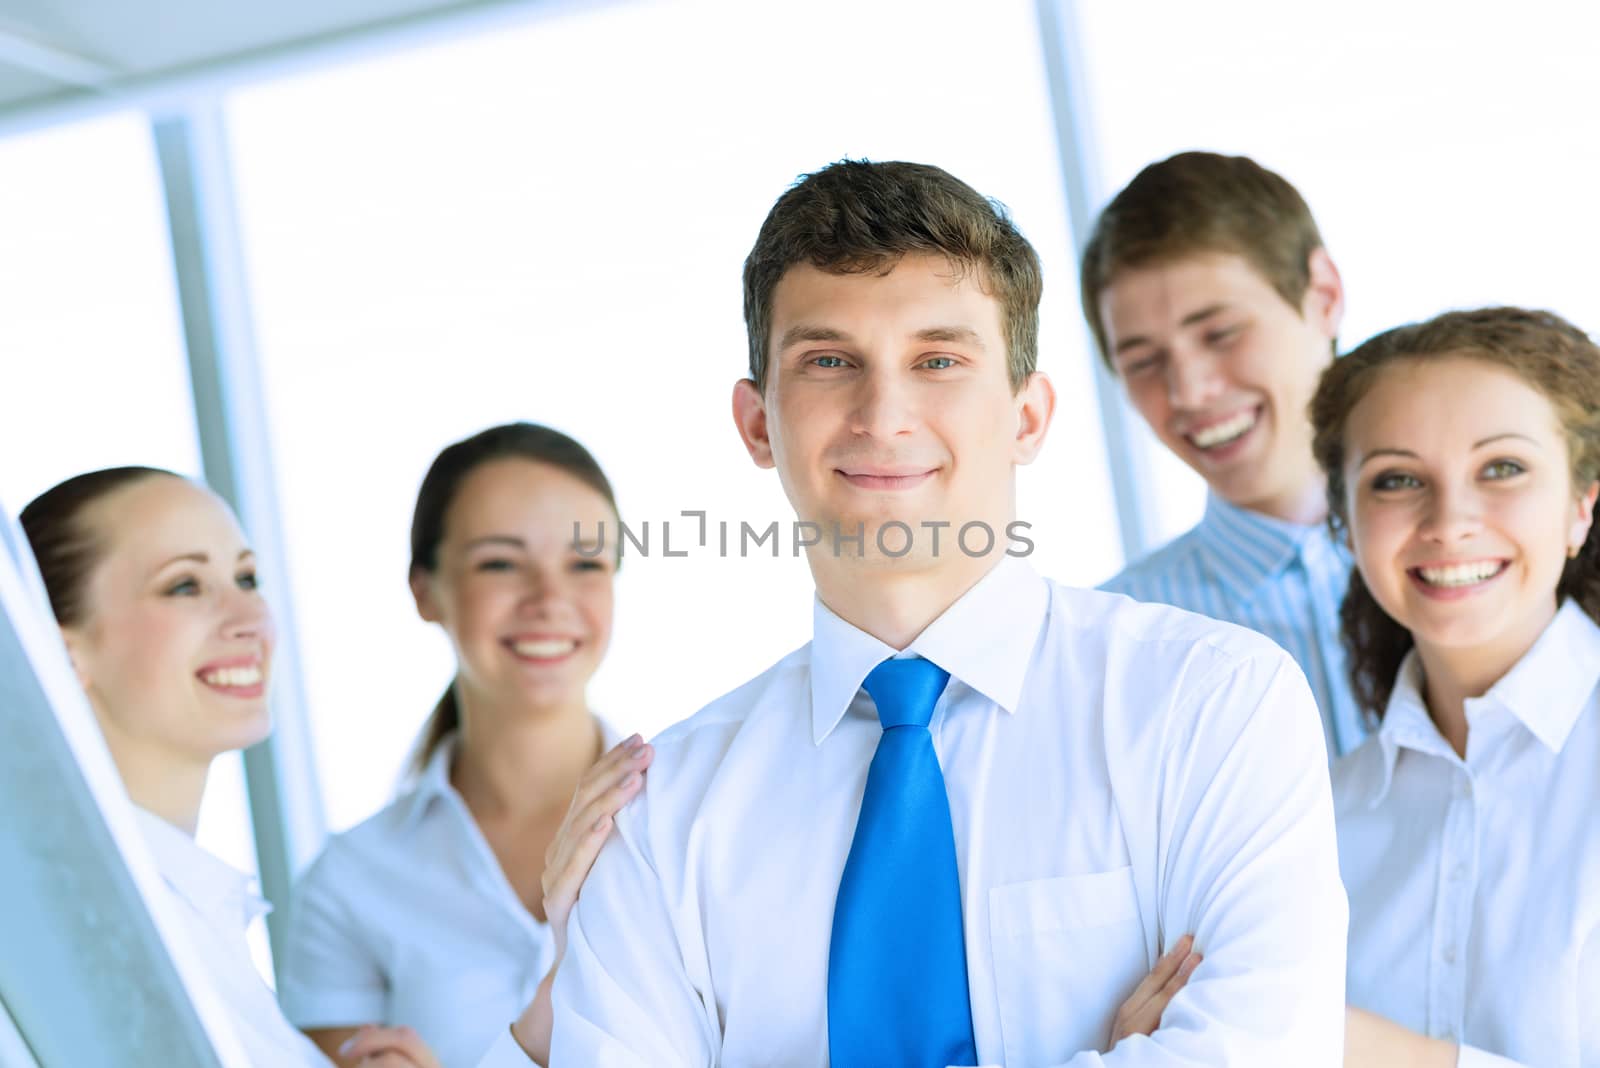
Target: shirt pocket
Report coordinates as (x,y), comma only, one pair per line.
(1067,951)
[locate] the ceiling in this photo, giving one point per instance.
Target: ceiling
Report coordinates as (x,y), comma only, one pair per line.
(62,58)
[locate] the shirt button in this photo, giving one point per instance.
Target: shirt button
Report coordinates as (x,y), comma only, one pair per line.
(1458,873)
(1448,954)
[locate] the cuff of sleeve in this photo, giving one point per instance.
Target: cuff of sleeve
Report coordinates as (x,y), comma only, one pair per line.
(505,1053)
(1472,1057)
(307,1007)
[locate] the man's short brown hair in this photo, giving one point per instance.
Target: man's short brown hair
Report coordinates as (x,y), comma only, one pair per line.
(858,217)
(1194,203)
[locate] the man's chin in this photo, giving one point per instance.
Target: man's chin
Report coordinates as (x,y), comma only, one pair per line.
(861,537)
(904,542)
(1238,484)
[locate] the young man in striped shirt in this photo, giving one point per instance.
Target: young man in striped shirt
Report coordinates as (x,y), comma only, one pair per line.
(1212,298)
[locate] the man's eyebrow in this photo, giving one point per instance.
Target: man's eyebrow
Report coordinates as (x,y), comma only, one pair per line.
(1130,343)
(1191,319)
(810,332)
(961,335)
(1203,314)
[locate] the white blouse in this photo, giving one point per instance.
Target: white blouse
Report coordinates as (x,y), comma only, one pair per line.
(1475,884)
(218,903)
(408,919)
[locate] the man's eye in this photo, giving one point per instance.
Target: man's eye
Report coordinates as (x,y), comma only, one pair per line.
(494,564)
(829,361)
(187,587)
(247,581)
(938,363)
(1394,480)
(1142,365)
(1219,337)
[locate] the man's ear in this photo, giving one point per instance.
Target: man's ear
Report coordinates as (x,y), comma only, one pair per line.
(1323,305)
(750,416)
(1036,405)
(422,593)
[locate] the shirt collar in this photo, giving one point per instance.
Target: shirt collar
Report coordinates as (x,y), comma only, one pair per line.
(1406,723)
(1551,685)
(1247,548)
(1546,691)
(433,783)
(985,640)
(210,885)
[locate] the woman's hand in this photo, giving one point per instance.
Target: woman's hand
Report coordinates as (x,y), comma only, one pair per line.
(1141,1013)
(615,779)
(1371,1041)
(387,1047)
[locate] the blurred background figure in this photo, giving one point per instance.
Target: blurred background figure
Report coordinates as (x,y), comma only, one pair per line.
(435,913)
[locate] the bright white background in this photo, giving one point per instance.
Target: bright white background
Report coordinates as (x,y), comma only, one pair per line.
(548,224)
(1450,151)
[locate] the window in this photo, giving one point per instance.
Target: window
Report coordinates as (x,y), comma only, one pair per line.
(1447,159)
(549,224)
(94,362)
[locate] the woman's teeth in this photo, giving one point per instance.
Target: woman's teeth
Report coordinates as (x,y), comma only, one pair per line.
(544,649)
(1225,431)
(1461,574)
(233,677)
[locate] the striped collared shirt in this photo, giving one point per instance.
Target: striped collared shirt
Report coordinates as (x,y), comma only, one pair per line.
(1281,579)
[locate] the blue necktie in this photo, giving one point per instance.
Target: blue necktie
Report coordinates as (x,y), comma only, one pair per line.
(897,962)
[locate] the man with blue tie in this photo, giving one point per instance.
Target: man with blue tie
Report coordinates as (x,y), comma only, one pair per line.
(1209,291)
(961,824)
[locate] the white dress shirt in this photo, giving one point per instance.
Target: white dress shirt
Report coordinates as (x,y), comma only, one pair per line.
(1119,774)
(1475,884)
(218,903)
(408,919)
(1283,579)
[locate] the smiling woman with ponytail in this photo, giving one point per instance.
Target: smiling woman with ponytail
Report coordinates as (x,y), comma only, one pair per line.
(446,912)
(440,487)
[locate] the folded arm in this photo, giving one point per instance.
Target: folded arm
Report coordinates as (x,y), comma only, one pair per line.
(1247,861)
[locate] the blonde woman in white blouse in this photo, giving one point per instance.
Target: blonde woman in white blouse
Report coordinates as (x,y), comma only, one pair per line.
(1462,456)
(154,588)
